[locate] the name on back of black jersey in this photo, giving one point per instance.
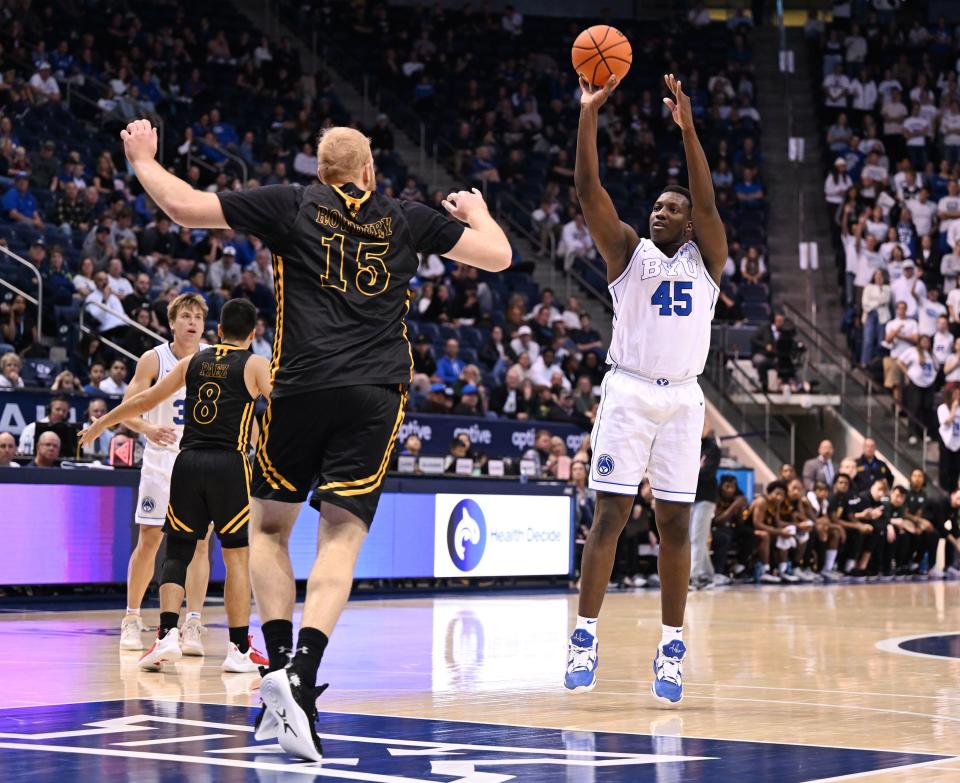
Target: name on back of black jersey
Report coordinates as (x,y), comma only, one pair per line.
(213,370)
(380,229)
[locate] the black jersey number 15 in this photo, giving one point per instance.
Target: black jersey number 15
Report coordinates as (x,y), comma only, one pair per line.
(371,277)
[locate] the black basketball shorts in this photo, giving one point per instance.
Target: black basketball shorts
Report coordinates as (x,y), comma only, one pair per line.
(339,439)
(210,485)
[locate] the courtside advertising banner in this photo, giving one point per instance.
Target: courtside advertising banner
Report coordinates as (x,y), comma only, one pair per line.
(501,535)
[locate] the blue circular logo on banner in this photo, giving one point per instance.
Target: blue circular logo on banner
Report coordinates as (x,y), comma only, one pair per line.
(466,535)
(604,464)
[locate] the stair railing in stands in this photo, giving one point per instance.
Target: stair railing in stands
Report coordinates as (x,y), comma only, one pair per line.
(121,316)
(34,300)
(863,402)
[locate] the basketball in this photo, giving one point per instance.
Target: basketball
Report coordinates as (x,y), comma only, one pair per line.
(600,51)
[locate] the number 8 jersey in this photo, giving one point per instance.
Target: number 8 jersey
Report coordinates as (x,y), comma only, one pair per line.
(662,312)
(218,408)
(342,261)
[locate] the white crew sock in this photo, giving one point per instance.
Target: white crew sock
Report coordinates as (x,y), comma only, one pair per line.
(782,567)
(192,615)
(766,568)
(669,633)
(133,611)
(830,560)
(848,566)
(588,624)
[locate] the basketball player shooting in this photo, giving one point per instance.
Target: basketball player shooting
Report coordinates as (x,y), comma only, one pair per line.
(651,413)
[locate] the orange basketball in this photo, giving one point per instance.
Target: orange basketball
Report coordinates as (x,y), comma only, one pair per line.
(600,51)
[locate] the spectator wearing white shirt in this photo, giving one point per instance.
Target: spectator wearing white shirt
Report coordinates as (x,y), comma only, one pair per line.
(907,185)
(101,446)
(923,211)
(950,268)
(950,131)
(948,417)
(835,186)
(836,88)
(305,162)
(894,112)
(431,267)
(873,175)
(225,271)
(916,130)
(544,366)
(948,211)
(512,21)
(45,87)
(571,314)
(83,281)
(888,85)
(524,343)
(899,336)
(892,246)
(110,322)
(575,242)
(875,307)
(10,367)
(869,261)
(929,312)
(546,219)
(909,289)
(943,341)
(116,381)
(117,281)
(953,308)
(920,366)
(261,346)
(863,94)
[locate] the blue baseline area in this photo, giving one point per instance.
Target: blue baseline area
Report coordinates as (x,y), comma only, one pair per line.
(372,747)
(945,645)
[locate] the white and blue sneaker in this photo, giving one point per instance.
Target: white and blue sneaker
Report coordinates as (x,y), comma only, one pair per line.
(581,674)
(667,686)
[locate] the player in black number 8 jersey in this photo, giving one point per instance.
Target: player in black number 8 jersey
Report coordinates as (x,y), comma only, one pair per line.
(211,477)
(343,257)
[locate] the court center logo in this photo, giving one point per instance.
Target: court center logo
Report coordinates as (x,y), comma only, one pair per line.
(147,505)
(604,464)
(466,535)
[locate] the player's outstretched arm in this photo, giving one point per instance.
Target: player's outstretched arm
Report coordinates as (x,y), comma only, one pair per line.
(146,373)
(186,206)
(483,243)
(138,402)
(615,240)
(707,225)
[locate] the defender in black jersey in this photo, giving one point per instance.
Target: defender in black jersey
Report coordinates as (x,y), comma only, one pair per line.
(343,257)
(211,477)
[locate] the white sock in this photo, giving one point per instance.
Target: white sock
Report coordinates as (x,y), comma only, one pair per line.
(766,568)
(848,566)
(588,624)
(133,611)
(830,560)
(669,633)
(782,567)
(192,615)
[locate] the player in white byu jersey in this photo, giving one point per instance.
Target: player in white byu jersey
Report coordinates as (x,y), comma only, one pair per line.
(650,417)
(163,427)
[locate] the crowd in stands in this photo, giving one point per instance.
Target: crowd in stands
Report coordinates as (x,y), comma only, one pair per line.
(890,109)
(485,345)
(831,521)
(496,93)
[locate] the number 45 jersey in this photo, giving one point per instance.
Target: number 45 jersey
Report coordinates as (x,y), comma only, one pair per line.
(662,312)
(342,262)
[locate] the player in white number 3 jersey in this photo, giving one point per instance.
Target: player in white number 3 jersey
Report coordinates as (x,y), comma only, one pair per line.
(650,418)
(163,427)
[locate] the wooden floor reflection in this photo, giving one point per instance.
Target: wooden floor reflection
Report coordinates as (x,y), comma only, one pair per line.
(798,665)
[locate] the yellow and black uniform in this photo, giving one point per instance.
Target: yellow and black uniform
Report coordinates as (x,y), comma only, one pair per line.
(343,259)
(211,476)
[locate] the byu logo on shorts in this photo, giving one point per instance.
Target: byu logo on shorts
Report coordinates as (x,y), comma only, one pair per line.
(662,382)
(466,535)
(604,464)
(147,505)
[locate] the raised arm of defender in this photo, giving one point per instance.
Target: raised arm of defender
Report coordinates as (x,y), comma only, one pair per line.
(615,240)
(707,225)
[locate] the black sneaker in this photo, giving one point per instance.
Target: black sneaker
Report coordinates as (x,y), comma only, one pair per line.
(293,706)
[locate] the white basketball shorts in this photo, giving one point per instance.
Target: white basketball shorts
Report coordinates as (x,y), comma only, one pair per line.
(155,486)
(643,427)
